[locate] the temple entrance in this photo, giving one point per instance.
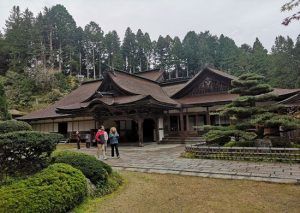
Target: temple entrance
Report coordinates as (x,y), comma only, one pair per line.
(63,128)
(148,130)
(174,123)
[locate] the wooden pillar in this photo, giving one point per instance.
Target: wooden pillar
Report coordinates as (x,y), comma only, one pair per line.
(207,116)
(140,132)
(181,121)
(182,135)
(157,130)
(187,121)
(168,121)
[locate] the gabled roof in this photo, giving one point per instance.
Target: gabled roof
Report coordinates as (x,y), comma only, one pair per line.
(154,75)
(138,90)
(75,97)
(171,89)
(140,86)
(198,76)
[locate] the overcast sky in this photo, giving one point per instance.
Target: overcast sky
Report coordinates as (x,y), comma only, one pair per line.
(242,20)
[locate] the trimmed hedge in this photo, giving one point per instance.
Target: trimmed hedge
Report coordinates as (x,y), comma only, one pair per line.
(58,188)
(25,152)
(95,170)
(13,126)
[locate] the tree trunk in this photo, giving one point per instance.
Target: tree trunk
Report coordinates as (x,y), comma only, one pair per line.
(79,63)
(51,50)
(94,67)
(100,73)
(59,58)
(43,56)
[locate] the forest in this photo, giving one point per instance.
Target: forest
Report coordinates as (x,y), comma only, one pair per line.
(42,56)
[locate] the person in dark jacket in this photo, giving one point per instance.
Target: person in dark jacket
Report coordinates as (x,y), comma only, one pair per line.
(100,139)
(114,141)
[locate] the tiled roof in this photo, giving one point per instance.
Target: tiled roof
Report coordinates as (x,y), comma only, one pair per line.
(279,91)
(140,86)
(137,88)
(75,97)
(173,88)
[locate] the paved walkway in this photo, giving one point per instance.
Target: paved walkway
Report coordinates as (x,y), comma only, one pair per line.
(155,158)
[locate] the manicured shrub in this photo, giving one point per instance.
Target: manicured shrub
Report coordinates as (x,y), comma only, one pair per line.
(25,152)
(58,188)
(93,169)
(13,126)
(112,184)
(240,144)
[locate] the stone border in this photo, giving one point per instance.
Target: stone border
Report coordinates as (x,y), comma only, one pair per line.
(225,175)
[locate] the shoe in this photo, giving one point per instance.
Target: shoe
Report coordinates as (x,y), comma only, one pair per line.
(105,158)
(118,157)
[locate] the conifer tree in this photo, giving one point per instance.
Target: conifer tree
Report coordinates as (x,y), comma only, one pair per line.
(249,113)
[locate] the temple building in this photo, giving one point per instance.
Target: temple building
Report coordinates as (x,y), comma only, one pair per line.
(143,106)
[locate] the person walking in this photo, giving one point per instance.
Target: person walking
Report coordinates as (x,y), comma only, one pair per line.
(114,141)
(78,139)
(100,139)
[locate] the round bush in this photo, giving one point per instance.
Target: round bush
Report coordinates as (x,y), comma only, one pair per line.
(93,169)
(13,126)
(58,188)
(26,152)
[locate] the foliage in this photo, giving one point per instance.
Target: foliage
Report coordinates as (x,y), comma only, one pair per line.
(288,7)
(113,182)
(246,115)
(25,152)
(13,126)
(36,87)
(52,41)
(240,144)
(58,188)
(4,114)
(93,169)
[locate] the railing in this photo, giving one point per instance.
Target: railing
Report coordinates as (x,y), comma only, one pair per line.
(245,153)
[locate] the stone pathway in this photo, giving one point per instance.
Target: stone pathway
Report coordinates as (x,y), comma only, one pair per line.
(155,158)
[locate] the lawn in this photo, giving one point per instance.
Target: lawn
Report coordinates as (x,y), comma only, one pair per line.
(144,192)
(67,146)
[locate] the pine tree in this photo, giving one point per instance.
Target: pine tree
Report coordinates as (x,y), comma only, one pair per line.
(178,59)
(190,45)
(113,50)
(226,55)
(93,43)
(284,71)
(246,114)
(129,51)
(259,59)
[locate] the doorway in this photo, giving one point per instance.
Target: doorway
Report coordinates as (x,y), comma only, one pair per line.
(148,130)
(63,128)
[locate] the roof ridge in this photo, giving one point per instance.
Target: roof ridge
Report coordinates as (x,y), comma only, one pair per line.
(91,81)
(151,70)
(137,76)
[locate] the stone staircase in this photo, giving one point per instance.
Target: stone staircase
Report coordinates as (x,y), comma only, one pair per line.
(179,140)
